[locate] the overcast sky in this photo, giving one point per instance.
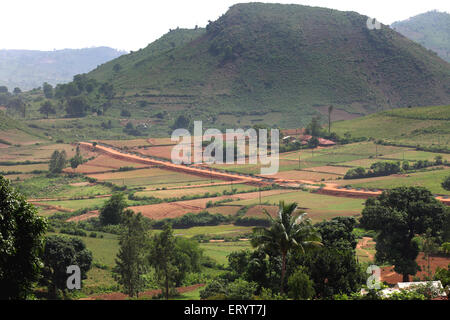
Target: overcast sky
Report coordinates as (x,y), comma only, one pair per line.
(132,24)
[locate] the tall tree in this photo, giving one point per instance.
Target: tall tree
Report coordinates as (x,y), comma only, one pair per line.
(18,105)
(334,268)
(338,233)
(287,232)
(399,215)
(131,263)
(48,90)
(60,253)
(112,211)
(58,161)
(21,243)
(77,159)
(162,257)
(446,183)
(47,108)
(77,106)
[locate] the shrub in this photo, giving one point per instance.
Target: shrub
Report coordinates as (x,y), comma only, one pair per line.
(301,287)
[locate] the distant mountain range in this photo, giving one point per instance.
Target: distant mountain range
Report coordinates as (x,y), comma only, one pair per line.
(28,69)
(430,29)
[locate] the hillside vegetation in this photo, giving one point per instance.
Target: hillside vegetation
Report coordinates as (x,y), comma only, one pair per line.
(276,63)
(430,29)
(408,126)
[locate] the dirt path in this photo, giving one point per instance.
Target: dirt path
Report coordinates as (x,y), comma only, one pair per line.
(146,294)
(171,166)
(364,243)
(328,189)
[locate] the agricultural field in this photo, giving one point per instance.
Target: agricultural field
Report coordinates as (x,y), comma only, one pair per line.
(428,179)
(423,126)
(64,187)
(154,177)
(35,152)
(319,207)
(180,192)
(103,163)
(161,193)
(220,250)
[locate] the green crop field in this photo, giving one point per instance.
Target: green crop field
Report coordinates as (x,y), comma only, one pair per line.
(149,177)
(78,204)
(220,231)
(193,191)
(415,126)
(318,206)
(430,179)
(220,250)
(60,187)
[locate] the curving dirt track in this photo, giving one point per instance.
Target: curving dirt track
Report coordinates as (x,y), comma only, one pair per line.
(329,189)
(147,294)
(171,166)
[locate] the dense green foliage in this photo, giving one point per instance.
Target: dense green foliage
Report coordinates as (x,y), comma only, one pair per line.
(58,161)
(446,183)
(172,258)
(287,232)
(399,215)
(131,264)
(112,211)
(301,287)
(60,253)
(21,243)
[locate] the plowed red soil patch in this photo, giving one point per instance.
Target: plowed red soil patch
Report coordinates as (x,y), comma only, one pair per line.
(258,211)
(147,294)
(164,152)
(179,208)
(86,216)
(103,163)
(389,275)
(225,210)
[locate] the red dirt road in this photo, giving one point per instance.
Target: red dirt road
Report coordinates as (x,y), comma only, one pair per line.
(329,189)
(171,166)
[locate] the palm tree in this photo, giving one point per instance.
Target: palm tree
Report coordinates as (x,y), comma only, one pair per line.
(287,232)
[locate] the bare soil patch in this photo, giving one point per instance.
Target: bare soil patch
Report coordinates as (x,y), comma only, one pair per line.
(390,276)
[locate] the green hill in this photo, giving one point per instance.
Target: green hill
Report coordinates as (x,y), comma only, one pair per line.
(14,132)
(424,126)
(28,69)
(277,64)
(430,29)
